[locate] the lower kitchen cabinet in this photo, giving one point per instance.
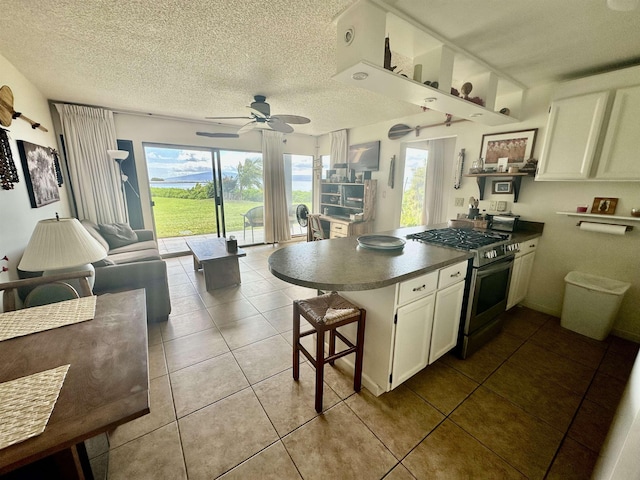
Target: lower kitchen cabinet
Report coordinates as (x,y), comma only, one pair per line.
(414,323)
(521,274)
(446,324)
(409,325)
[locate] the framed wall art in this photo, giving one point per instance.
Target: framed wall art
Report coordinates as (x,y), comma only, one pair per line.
(39,167)
(502,187)
(516,146)
(604,206)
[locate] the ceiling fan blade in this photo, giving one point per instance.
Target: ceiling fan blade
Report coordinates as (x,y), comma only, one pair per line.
(279,125)
(225,118)
(248,126)
(257,113)
(217,135)
(295,119)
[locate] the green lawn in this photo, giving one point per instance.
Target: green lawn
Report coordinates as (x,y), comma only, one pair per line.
(176,216)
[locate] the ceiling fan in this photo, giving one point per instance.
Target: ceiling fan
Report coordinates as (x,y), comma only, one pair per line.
(260,113)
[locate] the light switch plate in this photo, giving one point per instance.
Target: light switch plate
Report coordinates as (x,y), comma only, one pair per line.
(502,206)
(493,206)
(459,202)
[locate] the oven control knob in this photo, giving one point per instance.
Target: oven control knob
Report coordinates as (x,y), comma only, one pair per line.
(490,254)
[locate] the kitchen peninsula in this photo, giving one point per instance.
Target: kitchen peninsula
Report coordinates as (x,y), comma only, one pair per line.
(413,298)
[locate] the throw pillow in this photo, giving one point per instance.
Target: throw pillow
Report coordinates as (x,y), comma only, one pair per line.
(103,263)
(118,234)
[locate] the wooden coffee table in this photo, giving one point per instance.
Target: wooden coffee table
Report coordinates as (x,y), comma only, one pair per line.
(220,267)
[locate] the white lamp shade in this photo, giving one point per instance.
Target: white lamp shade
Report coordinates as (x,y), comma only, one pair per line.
(117,154)
(61,243)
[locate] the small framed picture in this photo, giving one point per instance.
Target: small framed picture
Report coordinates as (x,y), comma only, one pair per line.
(604,206)
(502,187)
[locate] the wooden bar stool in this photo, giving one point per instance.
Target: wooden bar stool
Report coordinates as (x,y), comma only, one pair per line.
(326,313)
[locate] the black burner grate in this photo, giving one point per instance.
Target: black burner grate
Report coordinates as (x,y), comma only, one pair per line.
(458,238)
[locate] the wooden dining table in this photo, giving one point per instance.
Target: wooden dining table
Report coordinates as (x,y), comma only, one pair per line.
(107,383)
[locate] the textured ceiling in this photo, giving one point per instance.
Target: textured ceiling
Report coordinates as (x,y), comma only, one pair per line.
(197,58)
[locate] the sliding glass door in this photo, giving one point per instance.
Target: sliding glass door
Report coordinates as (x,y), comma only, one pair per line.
(242,195)
(204,191)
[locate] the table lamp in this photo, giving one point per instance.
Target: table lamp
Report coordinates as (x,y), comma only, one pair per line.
(60,245)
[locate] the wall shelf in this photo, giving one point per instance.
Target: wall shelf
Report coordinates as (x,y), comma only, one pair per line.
(516,179)
(596,216)
(396,86)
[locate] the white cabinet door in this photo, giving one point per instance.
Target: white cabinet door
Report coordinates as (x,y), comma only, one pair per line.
(520,277)
(525,276)
(413,337)
(446,321)
(619,159)
(513,299)
(572,135)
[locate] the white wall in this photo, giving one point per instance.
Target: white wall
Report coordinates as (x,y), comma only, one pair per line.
(17,218)
(563,247)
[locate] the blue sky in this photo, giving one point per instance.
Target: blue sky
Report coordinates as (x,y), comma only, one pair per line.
(163,162)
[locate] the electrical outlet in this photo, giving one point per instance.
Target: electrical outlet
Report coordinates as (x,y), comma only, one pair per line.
(459,202)
(502,206)
(493,206)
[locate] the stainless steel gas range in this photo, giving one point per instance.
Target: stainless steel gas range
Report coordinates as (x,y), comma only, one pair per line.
(488,289)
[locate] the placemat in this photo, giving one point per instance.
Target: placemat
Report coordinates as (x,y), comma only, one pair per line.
(37,319)
(26,404)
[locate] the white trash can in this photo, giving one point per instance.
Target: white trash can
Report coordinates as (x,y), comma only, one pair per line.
(591,304)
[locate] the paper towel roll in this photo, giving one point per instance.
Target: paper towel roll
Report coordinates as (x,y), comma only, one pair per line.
(603,228)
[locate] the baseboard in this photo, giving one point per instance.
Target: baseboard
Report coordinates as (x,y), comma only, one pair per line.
(542,308)
(633,337)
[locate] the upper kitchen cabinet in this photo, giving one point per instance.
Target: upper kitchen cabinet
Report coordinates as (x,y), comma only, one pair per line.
(423,56)
(592,130)
(621,149)
(573,130)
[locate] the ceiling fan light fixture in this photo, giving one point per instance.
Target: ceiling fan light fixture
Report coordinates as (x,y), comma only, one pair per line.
(622,5)
(360,76)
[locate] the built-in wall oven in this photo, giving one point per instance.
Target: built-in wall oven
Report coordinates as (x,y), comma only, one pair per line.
(487,291)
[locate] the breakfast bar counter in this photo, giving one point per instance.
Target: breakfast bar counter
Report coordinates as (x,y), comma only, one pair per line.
(341,264)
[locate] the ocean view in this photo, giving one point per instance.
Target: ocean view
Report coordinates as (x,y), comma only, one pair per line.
(303,186)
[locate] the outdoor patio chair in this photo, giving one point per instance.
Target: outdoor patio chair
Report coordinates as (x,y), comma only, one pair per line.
(253,218)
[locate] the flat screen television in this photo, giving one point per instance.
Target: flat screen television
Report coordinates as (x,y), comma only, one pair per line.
(365,157)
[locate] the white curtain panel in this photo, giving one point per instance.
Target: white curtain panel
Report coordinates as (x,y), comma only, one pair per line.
(276,213)
(433,208)
(95,178)
(339,147)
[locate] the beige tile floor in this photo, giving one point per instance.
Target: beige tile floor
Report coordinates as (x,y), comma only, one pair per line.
(534,403)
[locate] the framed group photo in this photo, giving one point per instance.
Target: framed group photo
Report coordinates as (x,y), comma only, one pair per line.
(516,146)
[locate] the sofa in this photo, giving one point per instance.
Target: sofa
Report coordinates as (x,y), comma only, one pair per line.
(133,261)
(135,264)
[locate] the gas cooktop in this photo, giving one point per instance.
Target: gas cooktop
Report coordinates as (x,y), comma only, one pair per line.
(459,238)
(487,246)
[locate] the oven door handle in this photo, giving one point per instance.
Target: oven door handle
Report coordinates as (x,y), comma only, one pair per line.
(496,267)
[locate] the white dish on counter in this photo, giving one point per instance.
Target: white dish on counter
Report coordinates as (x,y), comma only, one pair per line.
(381,242)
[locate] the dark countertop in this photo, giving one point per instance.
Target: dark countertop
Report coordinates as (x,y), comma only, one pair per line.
(341,264)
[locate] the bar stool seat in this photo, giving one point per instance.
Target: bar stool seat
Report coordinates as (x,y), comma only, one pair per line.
(326,313)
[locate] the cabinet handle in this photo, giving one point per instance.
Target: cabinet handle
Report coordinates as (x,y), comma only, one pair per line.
(532,245)
(454,275)
(419,289)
